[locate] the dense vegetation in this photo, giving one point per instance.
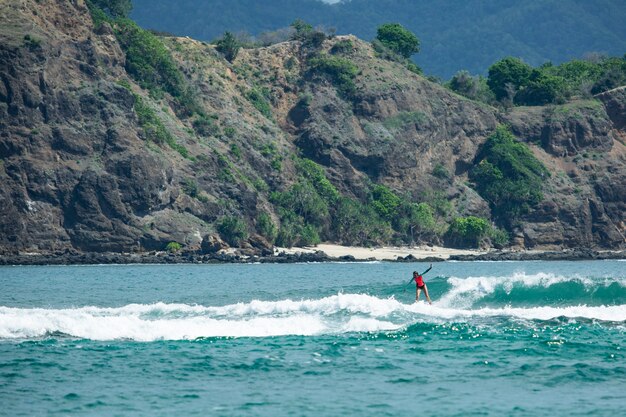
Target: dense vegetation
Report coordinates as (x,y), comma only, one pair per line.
(508,176)
(312,210)
(511,81)
(455,35)
(397,38)
(340,71)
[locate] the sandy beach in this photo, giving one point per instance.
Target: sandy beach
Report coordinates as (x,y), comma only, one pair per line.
(381,253)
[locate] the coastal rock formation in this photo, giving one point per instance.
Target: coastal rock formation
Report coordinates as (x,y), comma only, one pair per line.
(79,172)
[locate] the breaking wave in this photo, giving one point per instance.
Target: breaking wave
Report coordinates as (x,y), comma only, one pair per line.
(517,297)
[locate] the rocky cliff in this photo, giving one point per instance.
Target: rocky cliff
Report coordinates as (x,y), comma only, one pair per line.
(78,171)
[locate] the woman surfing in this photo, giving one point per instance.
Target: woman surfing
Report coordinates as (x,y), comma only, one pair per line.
(420,284)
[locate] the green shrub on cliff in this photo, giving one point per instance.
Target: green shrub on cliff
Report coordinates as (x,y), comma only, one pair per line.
(473,232)
(315,175)
(173,247)
(153,127)
(472,87)
(229,46)
(113,8)
(305,33)
(266,227)
(340,71)
(467,232)
(355,223)
(304,201)
(147,60)
(398,39)
(259,100)
(508,175)
(515,82)
(233,230)
(385,202)
(507,76)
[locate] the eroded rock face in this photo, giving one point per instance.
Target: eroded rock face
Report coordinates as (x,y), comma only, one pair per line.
(78,173)
(565,130)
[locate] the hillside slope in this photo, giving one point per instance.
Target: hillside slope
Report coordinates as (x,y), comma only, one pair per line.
(81,171)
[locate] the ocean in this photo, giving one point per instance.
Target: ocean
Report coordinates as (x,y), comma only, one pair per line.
(329,339)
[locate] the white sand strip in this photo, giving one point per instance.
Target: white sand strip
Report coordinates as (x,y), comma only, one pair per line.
(380,253)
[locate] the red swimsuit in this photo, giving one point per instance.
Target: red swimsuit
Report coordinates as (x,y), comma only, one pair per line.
(419,281)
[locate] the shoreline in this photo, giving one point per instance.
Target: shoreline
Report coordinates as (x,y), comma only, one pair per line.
(319,253)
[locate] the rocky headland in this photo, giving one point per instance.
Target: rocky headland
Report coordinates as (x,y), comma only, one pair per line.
(95,165)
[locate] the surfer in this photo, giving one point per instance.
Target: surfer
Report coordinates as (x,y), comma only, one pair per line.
(420,284)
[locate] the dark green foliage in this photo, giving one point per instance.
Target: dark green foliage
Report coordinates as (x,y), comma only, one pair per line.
(302,29)
(305,208)
(147,60)
(235,150)
(230,131)
(113,8)
(229,46)
(98,16)
(303,200)
(441,172)
(415,221)
(153,127)
(151,65)
(508,175)
(173,247)
(385,202)
(259,101)
(414,68)
(511,79)
(356,223)
(149,121)
(205,126)
(507,76)
(499,238)
(266,227)
(340,71)
(31,42)
(190,187)
(305,33)
(292,232)
(467,232)
(542,89)
(400,40)
(314,174)
(612,75)
(579,75)
(233,230)
(343,46)
(474,88)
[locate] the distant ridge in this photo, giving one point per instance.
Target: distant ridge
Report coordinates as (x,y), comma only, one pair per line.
(455,35)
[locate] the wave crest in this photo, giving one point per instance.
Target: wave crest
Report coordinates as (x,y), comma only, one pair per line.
(336,314)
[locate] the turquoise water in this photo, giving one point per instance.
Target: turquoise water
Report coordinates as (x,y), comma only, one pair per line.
(508,338)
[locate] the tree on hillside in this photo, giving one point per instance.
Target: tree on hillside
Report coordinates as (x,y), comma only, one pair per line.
(114,8)
(542,89)
(229,46)
(399,39)
(506,74)
(474,88)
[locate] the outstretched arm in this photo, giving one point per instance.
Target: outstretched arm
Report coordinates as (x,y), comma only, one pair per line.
(429,268)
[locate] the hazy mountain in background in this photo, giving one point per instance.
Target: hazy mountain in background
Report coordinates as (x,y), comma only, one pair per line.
(455,35)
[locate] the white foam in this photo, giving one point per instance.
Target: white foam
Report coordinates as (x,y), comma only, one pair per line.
(335,314)
(465,291)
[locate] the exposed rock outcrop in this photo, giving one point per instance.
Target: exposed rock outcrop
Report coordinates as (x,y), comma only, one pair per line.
(78,173)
